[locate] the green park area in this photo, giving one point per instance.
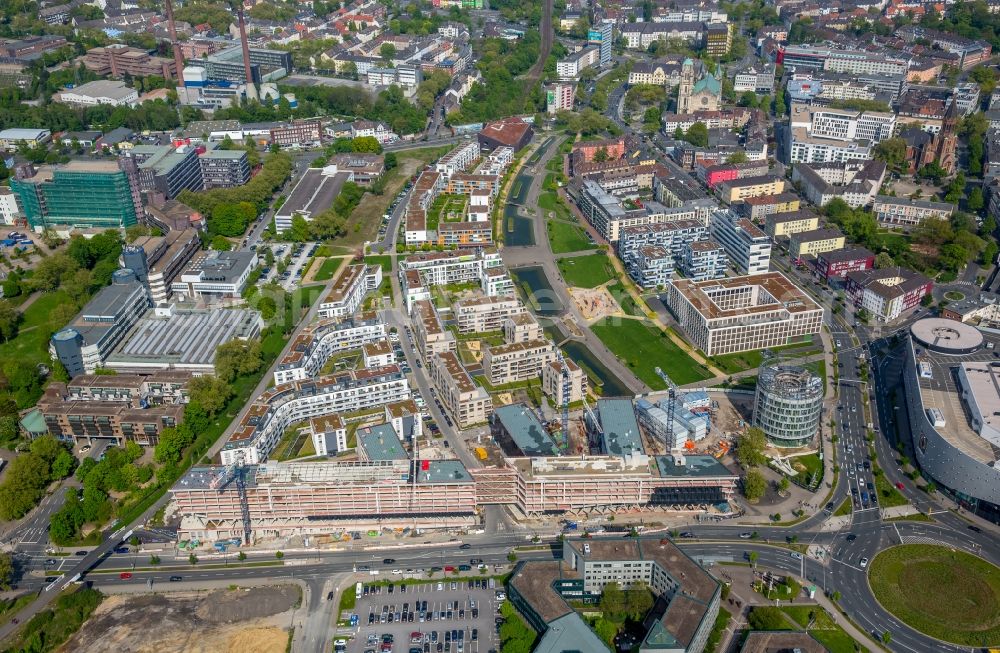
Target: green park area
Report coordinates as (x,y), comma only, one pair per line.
(748,360)
(587,271)
(810,618)
(944,593)
(39,322)
(384,261)
(642,348)
(567,237)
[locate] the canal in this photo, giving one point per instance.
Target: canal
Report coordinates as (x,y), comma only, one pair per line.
(538,295)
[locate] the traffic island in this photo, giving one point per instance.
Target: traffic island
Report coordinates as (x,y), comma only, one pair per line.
(947,594)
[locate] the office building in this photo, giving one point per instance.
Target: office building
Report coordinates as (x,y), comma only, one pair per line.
(224,168)
(519,433)
(886,294)
(318,498)
(951,422)
(297,133)
(815,241)
(748,248)
(746,313)
(215,274)
(265,65)
(688,597)
(718,39)
(788,405)
(157,260)
(602,36)
(757,79)
(86,194)
(120,60)
(349,291)
(314,346)
(83,345)
(167,170)
(273,412)
(467,403)
(858,62)
(837,263)
(185,339)
(892,212)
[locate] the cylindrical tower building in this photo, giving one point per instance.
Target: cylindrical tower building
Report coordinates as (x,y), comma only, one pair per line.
(789,404)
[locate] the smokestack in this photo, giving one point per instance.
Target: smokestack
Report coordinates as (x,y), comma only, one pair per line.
(178,59)
(251,88)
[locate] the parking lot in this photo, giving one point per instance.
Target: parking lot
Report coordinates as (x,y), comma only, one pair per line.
(296,255)
(450,615)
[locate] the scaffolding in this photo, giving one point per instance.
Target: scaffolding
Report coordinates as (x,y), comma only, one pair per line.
(236,472)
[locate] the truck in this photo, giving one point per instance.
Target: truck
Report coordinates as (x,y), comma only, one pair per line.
(571,525)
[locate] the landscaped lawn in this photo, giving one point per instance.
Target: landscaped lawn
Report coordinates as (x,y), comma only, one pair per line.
(888,495)
(947,594)
(565,237)
(587,271)
(824,628)
(813,468)
(31,346)
(384,261)
(327,269)
(642,348)
(731,363)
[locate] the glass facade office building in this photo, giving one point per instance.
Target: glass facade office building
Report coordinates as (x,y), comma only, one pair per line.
(789,405)
(79,194)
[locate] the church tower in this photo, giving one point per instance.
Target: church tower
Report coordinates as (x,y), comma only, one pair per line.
(947,139)
(686,88)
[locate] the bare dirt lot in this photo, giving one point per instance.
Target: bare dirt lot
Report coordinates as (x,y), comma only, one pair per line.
(253,620)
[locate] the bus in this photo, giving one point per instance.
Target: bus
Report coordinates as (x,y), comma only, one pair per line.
(357,590)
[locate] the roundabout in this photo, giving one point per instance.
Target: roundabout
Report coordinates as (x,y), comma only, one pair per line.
(947,594)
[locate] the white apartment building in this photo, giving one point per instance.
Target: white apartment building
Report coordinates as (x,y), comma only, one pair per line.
(313,347)
(519,361)
(348,293)
(825,135)
(458,160)
(419,271)
(8,205)
(748,248)
(483,314)
(329,435)
(284,405)
(559,97)
(569,68)
(467,403)
(747,313)
(554,384)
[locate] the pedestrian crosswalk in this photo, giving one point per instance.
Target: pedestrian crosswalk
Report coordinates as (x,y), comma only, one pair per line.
(919,539)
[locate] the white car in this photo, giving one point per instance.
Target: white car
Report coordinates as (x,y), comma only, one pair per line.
(864,562)
(397,572)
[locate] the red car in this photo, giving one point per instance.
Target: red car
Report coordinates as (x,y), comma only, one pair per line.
(900,486)
(449,568)
(125,575)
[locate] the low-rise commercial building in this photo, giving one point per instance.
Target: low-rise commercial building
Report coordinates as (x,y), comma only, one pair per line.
(101,91)
(215,274)
(313,194)
(743,313)
(85,343)
(184,339)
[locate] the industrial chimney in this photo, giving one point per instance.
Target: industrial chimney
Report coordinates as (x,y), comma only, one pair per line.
(251,87)
(178,59)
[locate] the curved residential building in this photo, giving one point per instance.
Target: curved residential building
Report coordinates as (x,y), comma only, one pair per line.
(953,403)
(789,404)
